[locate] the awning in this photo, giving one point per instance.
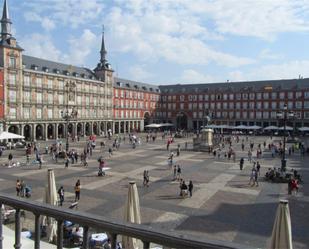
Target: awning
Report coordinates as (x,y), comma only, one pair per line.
(9,135)
(288,128)
(268,128)
(303,128)
(254,127)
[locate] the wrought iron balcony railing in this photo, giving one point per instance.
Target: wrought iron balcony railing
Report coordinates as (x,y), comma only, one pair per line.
(112,227)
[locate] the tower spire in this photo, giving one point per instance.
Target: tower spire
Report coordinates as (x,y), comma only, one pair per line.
(103,51)
(5,22)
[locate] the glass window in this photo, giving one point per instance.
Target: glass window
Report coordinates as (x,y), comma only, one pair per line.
(26,96)
(244,114)
(238,96)
(251,96)
(12,79)
(181,106)
(39,82)
(290,95)
(50,98)
(50,113)
(26,80)
(245,105)
(251,105)
(206,105)
(259,96)
(298,104)
(265,115)
(290,104)
(298,94)
(26,113)
(225,96)
(231,105)
(218,105)
(12,113)
(238,105)
(282,95)
(306,104)
(281,104)
(50,83)
(182,98)
(38,113)
(258,105)
(61,84)
(273,114)
(266,105)
(273,95)
(245,96)
(12,62)
(237,114)
(60,99)
(12,96)
(306,114)
(231,96)
(212,97)
(224,105)
(39,97)
(265,95)
(200,97)
(306,95)
(273,105)
(206,97)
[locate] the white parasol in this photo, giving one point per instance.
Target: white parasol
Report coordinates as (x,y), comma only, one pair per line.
(282,233)
(132,214)
(9,135)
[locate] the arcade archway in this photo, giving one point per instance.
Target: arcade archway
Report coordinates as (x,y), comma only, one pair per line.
(146,118)
(50,131)
(182,121)
(27,132)
(61,131)
(13,129)
(39,132)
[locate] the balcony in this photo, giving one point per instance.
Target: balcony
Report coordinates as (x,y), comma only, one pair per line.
(114,228)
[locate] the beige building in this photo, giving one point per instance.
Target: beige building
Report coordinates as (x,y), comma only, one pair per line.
(45,99)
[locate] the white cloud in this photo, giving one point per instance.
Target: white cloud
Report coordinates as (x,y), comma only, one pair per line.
(41,46)
(45,22)
(269,55)
(193,76)
(71,13)
(139,73)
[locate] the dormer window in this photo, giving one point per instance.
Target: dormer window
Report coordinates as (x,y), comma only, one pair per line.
(56,71)
(127,85)
(75,74)
(34,67)
(82,75)
(45,69)
(136,86)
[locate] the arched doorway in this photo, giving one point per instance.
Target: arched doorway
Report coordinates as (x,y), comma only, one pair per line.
(182,121)
(87,129)
(13,129)
(80,129)
(102,128)
(70,129)
(27,132)
(95,128)
(50,131)
(39,132)
(61,131)
(146,118)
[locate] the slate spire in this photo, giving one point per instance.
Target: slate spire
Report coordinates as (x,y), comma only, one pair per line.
(5,22)
(103,51)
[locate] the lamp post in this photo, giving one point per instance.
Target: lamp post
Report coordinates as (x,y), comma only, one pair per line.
(68,114)
(284,115)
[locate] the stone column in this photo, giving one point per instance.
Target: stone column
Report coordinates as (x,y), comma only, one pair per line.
(55,131)
(33,127)
(21,130)
(105,128)
(45,135)
(113,127)
(142,125)
(119,127)
(129,127)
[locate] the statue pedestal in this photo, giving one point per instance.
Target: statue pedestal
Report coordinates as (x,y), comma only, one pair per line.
(205,141)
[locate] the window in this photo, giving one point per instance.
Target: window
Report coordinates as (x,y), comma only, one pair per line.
(87,98)
(245,105)
(306,104)
(225,96)
(258,105)
(273,105)
(206,97)
(190,106)
(231,96)
(298,104)
(251,96)
(200,114)
(39,113)
(282,95)
(224,105)
(298,95)
(50,113)
(39,82)
(266,105)
(50,98)
(218,105)
(265,95)
(244,114)
(26,112)
(259,96)
(39,98)
(194,114)
(181,106)
(200,105)
(306,95)
(200,97)
(251,115)
(182,98)
(251,105)
(50,83)
(190,97)
(212,97)
(237,105)
(12,79)
(12,113)
(60,99)
(116,93)
(238,96)
(231,105)
(26,96)
(273,95)
(212,105)
(281,104)
(273,114)
(245,96)
(79,99)
(12,62)
(27,80)
(61,84)
(12,96)
(290,104)
(290,95)
(306,114)
(237,114)
(265,115)
(206,105)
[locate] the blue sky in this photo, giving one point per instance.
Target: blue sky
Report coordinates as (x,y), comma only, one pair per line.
(171,41)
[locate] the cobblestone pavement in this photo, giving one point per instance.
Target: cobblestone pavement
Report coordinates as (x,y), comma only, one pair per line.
(223,206)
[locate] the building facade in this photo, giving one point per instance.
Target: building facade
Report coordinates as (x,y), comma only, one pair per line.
(42,99)
(40,96)
(247,103)
(134,105)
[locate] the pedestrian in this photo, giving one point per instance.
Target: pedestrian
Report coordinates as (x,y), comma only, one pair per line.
(110,152)
(178,149)
(249,155)
(61,195)
(77,190)
(178,172)
(258,167)
(241,163)
(175,172)
(10,158)
(145,178)
(18,187)
(22,188)
(39,159)
(252,177)
(256,178)
(190,188)
(66,161)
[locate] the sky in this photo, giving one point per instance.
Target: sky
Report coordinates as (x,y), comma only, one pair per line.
(170,41)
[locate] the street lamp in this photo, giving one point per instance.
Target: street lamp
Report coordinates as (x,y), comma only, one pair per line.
(284,115)
(68,114)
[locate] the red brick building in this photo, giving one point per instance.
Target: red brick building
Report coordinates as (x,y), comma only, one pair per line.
(134,105)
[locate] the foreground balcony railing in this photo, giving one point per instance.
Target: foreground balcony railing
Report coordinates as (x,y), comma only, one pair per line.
(114,228)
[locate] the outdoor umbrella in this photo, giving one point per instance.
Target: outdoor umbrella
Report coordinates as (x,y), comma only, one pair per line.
(287,128)
(241,127)
(132,214)
(303,128)
(282,233)
(51,198)
(271,128)
(9,135)
(254,127)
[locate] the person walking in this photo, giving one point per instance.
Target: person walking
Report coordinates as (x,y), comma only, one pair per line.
(66,161)
(61,195)
(18,187)
(110,152)
(241,163)
(190,188)
(175,172)
(77,190)
(10,158)
(178,172)
(178,149)
(258,167)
